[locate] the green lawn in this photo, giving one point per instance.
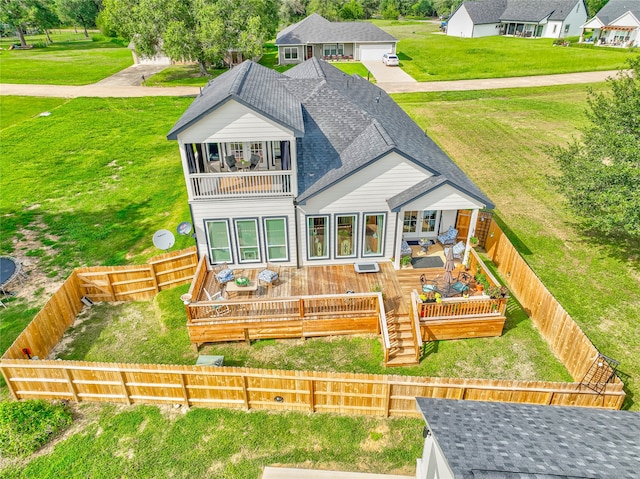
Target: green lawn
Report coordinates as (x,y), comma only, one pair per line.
(78,62)
(501,138)
(427,55)
(155,332)
(183,75)
(151,442)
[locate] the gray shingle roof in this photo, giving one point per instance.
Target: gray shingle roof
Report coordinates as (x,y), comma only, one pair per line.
(317,29)
(495,11)
(535,11)
(347,122)
(502,440)
(615,8)
(487,11)
(253,85)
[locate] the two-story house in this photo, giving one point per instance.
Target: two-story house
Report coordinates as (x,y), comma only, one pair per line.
(312,166)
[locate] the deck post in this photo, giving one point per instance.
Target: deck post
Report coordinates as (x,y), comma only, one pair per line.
(472,232)
(247,338)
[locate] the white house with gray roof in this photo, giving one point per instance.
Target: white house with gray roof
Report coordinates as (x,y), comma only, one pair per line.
(616,24)
(317,37)
(491,440)
(522,18)
(312,166)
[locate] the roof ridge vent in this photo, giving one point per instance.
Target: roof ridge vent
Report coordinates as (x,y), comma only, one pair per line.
(383,132)
(238,82)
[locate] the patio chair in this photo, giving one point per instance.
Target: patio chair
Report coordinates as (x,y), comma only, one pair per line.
(218,310)
(223,274)
(428,285)
(230,160)
(405,249)
(449,237)
(254,160)
(269,276)
(461,285)
(458,250)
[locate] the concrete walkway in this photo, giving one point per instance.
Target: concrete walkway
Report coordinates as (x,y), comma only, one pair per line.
(390,87)
(131,76)
(497,83)
(384,74)
(288,473)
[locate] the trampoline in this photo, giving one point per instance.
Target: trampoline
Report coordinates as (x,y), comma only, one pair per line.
(10,269)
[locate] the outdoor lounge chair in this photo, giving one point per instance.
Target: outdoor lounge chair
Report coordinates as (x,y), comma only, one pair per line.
(268,276)
(458,250)
(449,237)
(224,274)
(254,160)
(231,162)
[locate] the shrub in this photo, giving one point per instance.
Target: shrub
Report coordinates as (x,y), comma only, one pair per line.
(26,426)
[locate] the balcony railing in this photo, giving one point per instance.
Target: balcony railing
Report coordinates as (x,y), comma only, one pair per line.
(236,185)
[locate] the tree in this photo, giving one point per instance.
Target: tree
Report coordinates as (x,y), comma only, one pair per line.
(292,11)
(352,11)
(594,6)
(327,8)
(369,7)
(194,30)
(446,7)
(600,174)
(424,8)
(79,12)
(17,14)
(44,16)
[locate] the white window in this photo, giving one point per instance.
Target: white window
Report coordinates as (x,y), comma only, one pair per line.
(275,231)
(290,53)
(373,234)
(247,239)
(333,49)
(429,220)
(317,239)
(566,28)
(410,222)
(555,28)
(345,236)
(219,241)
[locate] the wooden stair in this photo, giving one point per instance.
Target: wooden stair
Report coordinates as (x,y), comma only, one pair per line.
(404,350)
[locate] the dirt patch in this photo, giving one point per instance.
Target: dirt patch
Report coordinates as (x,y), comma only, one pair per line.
(34,279)
(378,439)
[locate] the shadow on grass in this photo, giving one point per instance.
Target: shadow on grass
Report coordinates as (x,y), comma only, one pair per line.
(513,237)
(403,56)
(620,247)
(76,45)
(628,400)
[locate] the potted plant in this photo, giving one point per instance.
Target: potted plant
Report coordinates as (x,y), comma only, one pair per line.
(481,282)
(474,241)
(405,261)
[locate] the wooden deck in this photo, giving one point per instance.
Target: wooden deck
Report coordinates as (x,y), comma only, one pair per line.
(321,280)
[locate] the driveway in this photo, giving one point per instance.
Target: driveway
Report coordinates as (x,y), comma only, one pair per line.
(385,74)
(131,76)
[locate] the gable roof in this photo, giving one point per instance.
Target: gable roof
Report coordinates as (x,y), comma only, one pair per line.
(496,11)
(317,29)
(616,8)
(346,122)
(503,440)
(259,88)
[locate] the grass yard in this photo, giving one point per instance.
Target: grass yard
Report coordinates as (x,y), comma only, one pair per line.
(108,441)
(182,75)
(428,55)
(76,62)
(500,139)
(155,332)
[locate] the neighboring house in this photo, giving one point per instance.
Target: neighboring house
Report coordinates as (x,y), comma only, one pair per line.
(317,37)
(491,440)
(312,167)
(616,24)
(522,18)
(159,59)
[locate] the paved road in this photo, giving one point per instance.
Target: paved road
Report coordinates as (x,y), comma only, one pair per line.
(402,87)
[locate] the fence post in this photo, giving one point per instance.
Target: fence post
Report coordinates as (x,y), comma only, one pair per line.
(154,278)
(7,380)
(124,388)
(387,400)
(185,393)
(245,393)
(72,386)
(312,404)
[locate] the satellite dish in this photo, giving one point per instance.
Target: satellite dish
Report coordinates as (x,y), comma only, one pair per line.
(184,228)
(163,239)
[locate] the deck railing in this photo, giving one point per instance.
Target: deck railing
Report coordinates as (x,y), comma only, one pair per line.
(226,185)
(285,309)
(455,308)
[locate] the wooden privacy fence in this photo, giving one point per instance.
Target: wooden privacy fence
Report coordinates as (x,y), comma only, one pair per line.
(563,334)
(123,282)
(305,391)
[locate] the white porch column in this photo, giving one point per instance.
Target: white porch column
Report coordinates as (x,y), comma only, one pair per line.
(472,232)
(398,248)
(185,169)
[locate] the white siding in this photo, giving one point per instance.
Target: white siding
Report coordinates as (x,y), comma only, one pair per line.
(365,192)
(575,20)
(447,218)
(433,464)
(486,30)
(444,198)
(548,31)
(460,24)
(234,122)
(230,210)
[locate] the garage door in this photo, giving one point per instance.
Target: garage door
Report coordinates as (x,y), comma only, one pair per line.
(374,52)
